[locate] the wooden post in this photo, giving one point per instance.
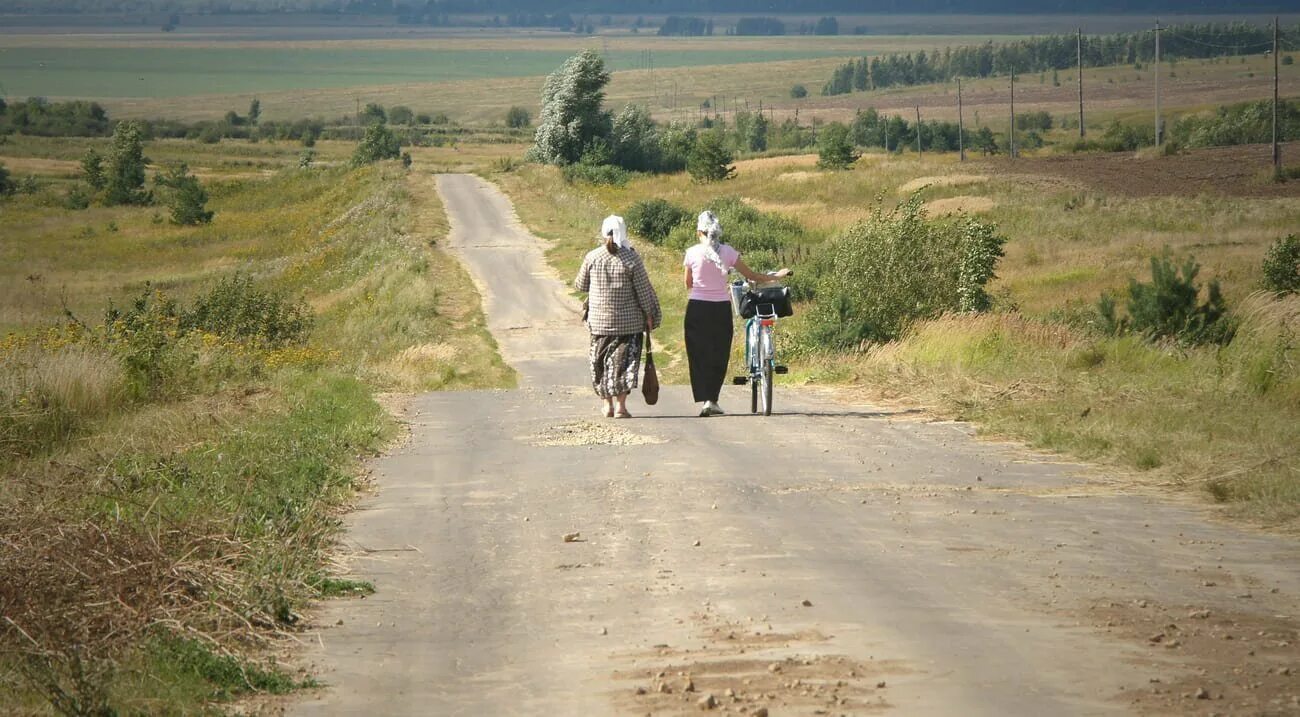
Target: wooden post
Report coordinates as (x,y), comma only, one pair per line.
(918,131)
(1079,47)
(1157,83)
(1011,131)
(1277,149)
(961,126)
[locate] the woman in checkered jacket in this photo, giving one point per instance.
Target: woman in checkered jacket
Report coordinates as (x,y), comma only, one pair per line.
(621,305)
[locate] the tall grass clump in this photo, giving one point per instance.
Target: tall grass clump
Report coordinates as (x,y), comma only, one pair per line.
(896,267)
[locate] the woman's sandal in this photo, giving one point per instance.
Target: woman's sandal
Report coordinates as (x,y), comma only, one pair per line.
(622,414)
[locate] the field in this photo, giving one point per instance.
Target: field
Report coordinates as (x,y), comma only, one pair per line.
(474,76)
(225,458)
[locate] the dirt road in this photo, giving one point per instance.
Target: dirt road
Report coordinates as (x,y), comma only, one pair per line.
(831,559)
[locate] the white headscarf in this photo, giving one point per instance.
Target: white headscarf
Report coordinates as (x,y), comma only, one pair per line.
(712,239)
(614,223)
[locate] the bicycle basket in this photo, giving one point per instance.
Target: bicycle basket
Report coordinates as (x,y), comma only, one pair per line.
(774,299)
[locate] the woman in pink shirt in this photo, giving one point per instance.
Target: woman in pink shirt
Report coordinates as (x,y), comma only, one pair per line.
(708,312)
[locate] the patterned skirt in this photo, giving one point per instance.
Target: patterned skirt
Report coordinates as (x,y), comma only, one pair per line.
(615,363)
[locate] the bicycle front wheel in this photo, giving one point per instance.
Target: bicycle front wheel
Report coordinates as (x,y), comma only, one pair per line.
(768,361)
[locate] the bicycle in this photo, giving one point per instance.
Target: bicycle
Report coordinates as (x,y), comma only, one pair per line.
(764,307)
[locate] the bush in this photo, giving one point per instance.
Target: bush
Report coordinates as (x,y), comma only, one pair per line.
(379,143)
(1168,308)
(1282,265)
(236,308)
(654,219)
(897,267)
(835,148)
(518,118)
(759,236)
(593,173)
(798,92)
(77,197)
(710,160)
(92,169)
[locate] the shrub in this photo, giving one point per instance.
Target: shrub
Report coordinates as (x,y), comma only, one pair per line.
(654,219)
(518,118)
(379,143)
(899,266)
(7,187)
(759,236)
(236,308)
(835,148)
(1168,307)
(77,197)
(401,114)
(798,92)
(595,173)
(710,160)
(1282,265)
(185,196)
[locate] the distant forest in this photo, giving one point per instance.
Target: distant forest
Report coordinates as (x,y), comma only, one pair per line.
(644,7)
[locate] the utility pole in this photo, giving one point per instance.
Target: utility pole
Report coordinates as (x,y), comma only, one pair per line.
(1157,82)
(1079,47)
(1277,150)
(961,126)
(1011,131)
(918,131)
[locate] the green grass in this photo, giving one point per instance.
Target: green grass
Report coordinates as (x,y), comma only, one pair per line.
(232,469)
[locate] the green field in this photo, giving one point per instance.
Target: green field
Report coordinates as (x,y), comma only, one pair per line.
(161,72)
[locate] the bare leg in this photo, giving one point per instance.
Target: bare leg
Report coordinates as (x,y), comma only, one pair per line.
(608,408)
(622,407)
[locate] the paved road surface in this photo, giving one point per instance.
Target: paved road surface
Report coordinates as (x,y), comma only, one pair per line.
(831,559)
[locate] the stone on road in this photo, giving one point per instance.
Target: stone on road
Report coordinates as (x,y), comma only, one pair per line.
(854,547)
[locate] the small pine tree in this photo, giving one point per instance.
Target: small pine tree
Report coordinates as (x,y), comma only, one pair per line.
(1282,265)
(185,195)
(710,160)
(92,169)
(1168,307)
(835,147)
(124,183)
(254,110)
(378,144)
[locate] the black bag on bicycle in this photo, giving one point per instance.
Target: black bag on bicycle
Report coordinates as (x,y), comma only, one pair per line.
(773,299)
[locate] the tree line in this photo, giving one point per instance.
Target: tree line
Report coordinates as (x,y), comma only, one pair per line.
(1052,52)
(489,7)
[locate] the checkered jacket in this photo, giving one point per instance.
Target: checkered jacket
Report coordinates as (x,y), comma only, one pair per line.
(619,294)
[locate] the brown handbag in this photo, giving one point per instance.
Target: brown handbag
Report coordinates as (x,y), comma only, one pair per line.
(650,386)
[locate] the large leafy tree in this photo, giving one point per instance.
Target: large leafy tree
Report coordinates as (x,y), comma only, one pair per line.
(572,118)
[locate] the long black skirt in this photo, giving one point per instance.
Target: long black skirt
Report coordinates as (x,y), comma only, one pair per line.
(708,346)
(615,363)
